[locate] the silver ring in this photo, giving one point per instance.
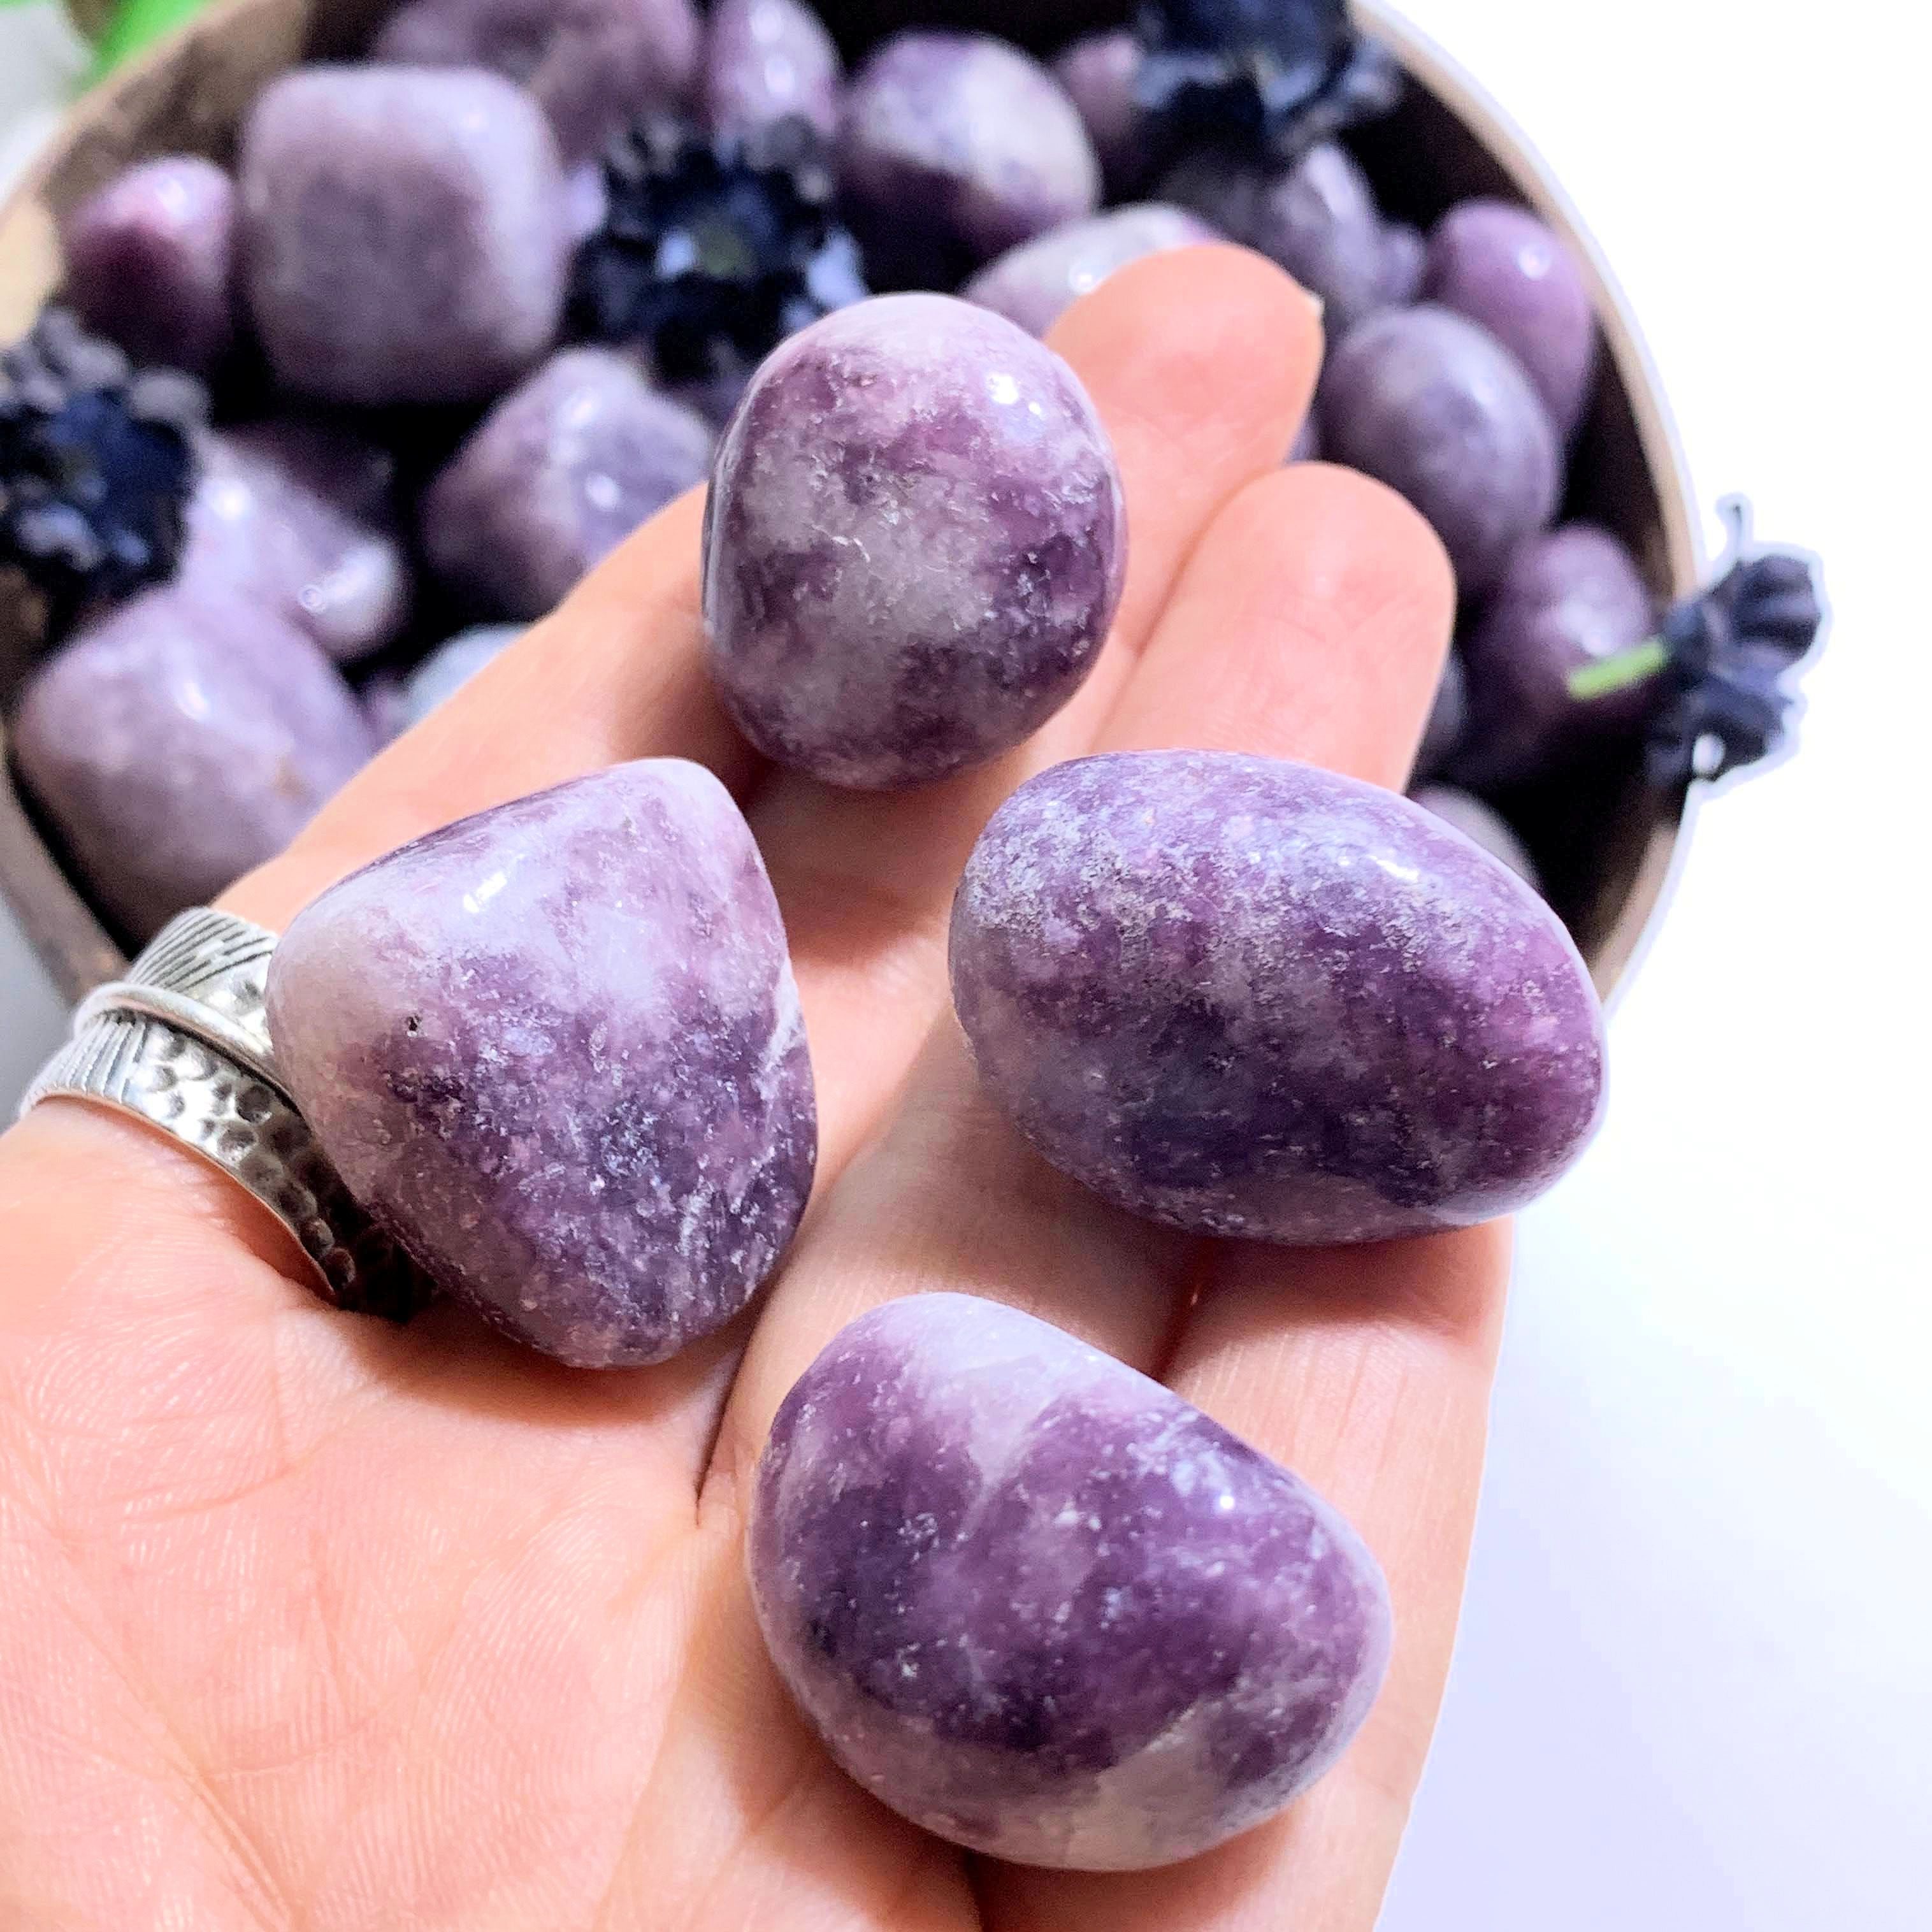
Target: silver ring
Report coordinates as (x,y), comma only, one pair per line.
(182,1043)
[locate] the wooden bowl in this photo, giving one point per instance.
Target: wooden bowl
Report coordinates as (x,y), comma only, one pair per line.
(1604,841)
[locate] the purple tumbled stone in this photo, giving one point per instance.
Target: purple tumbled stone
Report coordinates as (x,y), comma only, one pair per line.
(179,741)
(1248,998)
(559,473)
(1043,1607)
(555,1050)
(1499,266)
(405,231)
(1448,723)
(914,543)
(1437,409)
(592,65)
(765,60)
(1306,447)
(1099,73)
(1481,824)
(450,667)
(954,147)
(150,262)
(1035,283)
(297,516)
(1569,599)
(1405,261)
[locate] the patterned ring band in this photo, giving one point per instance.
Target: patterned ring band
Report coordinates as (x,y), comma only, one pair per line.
(182,1043)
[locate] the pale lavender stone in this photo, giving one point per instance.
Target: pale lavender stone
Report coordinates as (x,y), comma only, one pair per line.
(914,543)
(555,1050)
(559,473)
(1035,283)
(1480,823)
(1043,1607)
(1437,409)
(150,262)
(1248,998)
(178,743)
(593,66)
(450,667)
(765,60)
(587,196)
(954,147)
(1405,262)
(1099,73)
(405,231)
(1499,266)
(298,518)
(1569,599)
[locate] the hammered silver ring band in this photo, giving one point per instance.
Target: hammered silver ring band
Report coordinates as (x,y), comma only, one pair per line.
(182,1043)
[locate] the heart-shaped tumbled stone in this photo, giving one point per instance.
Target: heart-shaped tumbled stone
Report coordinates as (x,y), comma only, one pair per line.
(555,1049)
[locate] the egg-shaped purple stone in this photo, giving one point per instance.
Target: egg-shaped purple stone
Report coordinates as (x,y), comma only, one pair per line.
(953,148)
(150,262)
(914,543)
(1100,73)
(178,743)
(765,60)
(1035,283)
(1248,998)
(555,1050)
(559,473)
(1043,1607)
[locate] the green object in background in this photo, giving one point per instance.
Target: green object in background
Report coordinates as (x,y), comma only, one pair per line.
(133,26)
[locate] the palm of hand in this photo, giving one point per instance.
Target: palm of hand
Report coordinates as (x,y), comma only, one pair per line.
(308,1621)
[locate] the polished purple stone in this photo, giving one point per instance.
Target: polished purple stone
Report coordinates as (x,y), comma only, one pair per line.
(1043,1607)
(914,543)
(178,742)
(449,667)
(150,262)
(1099,73)
(405,231)
(560,472)
(1405,262)
(955,147)
(1569,599)
(1035,284)
(1437,409)
(555,1050)
(593,65)
(765,60)
(1248,998)
(1480,823)
(1499,266)
(298,518)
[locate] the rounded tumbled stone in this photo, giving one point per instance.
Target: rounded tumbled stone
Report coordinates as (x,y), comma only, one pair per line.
(765,60)
(1035,283)
(914,543)
(1042,1606)
(555,1050)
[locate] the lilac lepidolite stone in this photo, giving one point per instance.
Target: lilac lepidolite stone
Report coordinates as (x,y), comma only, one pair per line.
(765,59)
(1248,998)
(914,542)
(555,1049)
(560,472)
(1100,73)
(405,231)
(150,262)
(953,148)
(1035,284)
(1041,1606)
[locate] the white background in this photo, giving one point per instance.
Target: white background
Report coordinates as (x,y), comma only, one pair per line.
(1694,1690)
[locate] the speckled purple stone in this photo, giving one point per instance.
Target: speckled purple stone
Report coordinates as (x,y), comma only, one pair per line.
(1099,73)
(1249,998)
(298,518)
(1499,266)
(150,262)
(560,472)
(555,1049)
(1438,409)
(1035,284)
(1482,824)
(1043,1607)
(955,147)
(592,65)
(405,231)
(1569,598)
(914,543)
(765,59)
(178,742)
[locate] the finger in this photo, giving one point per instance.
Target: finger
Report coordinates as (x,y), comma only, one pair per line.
(1285,599)
(1201,365)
